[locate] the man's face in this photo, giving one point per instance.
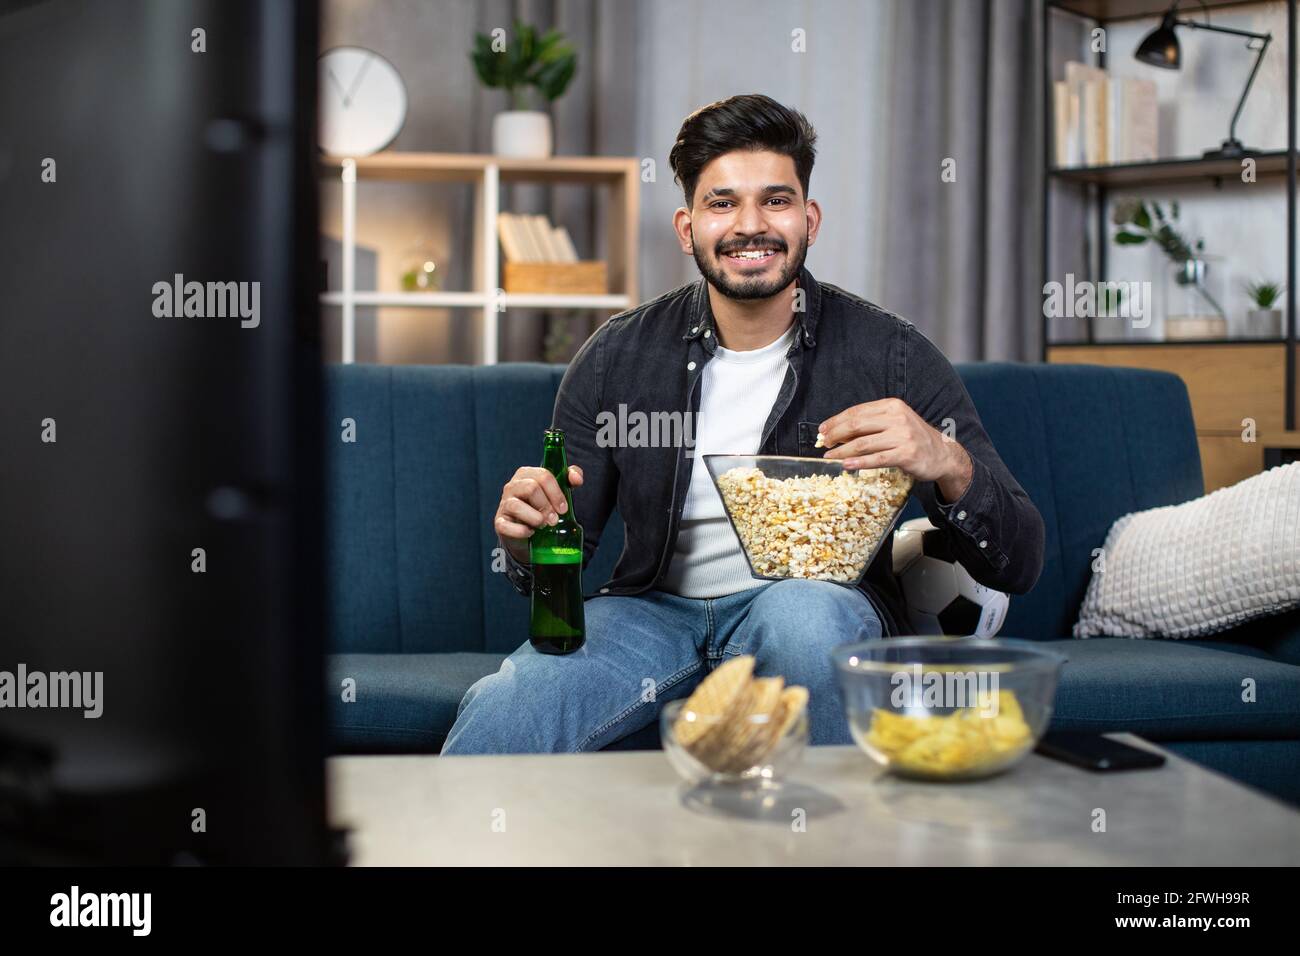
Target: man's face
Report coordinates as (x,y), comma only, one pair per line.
(750,228)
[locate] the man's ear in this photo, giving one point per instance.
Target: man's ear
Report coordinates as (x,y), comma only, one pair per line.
(814,213)
(682,226)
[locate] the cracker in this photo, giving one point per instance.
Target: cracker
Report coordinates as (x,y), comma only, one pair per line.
(739,742)
(718,695)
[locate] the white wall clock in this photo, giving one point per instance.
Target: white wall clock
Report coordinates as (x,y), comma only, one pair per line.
(362,102)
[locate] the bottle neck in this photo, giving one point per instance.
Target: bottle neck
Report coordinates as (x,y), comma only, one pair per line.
(556,462)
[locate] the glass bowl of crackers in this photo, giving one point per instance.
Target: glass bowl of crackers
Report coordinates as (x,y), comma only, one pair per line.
(947,708)
(736,728)
(808,517)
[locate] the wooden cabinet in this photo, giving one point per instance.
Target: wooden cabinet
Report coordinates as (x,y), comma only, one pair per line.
(1228,383)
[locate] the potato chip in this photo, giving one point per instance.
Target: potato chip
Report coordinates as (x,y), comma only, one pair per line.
(965,742)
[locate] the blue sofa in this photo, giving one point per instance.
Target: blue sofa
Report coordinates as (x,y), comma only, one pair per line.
(419,609)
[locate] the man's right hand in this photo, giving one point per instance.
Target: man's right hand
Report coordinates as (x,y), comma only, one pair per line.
(529,500)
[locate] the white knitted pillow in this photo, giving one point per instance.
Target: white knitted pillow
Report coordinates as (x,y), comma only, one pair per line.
(1200,567)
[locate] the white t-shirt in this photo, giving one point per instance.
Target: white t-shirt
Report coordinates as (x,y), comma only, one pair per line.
(737,394)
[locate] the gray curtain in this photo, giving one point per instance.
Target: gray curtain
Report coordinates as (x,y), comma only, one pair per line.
(962,257)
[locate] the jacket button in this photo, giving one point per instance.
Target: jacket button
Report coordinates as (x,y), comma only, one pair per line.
(961,516)
(690,366)
(984,544)
(707,333)
(694,330)
(604,590)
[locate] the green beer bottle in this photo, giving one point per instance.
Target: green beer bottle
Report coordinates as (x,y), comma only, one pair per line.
(557,625)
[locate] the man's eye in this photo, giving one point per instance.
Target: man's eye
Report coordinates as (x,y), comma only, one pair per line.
(727,202)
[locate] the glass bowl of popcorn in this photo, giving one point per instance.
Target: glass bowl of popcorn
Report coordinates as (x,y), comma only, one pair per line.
(808,517)
(947,708)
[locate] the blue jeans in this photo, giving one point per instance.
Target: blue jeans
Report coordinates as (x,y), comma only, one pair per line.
(544,703)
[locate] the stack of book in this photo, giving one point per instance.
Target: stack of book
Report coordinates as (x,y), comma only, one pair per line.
(540,258)
(1102,120)
(534,239)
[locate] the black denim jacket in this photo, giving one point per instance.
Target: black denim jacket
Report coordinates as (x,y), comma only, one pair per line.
(846,351)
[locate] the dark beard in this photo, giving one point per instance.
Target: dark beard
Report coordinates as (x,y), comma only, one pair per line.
(757,287)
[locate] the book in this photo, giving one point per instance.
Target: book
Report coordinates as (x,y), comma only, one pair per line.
(1101,120)
(541,228)
(507,232)
(1141,121)
(532,238)
(1060,118)
(528,240)
(564,244)
(1089,84)
(1117,145)
(1096,96)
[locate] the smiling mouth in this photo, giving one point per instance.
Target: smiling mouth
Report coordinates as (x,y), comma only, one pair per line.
(750,256)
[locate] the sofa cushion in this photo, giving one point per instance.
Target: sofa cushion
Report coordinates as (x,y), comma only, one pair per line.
(512,407)
(1174,691)
(1279,636)
(1266,764)
(401,549)
(409,545)
(405,703)
(1202,567)
(1088,444)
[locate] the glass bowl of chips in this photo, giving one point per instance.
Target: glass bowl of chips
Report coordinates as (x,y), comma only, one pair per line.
(947,708)
(808,517)
(735,727)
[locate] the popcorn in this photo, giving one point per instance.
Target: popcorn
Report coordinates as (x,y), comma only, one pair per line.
(818,526)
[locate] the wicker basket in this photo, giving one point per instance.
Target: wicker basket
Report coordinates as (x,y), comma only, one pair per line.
(556,278)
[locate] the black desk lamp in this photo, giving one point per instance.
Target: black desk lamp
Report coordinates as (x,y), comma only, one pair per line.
(1160,48)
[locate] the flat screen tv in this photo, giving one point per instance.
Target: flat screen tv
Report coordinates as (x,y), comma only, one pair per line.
(160,581)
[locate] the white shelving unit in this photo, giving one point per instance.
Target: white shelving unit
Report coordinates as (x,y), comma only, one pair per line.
(618,174)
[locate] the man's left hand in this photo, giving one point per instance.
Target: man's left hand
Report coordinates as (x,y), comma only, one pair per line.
(888,433)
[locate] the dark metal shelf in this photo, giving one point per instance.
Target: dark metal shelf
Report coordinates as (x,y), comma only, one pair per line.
(1097,181)
(1109,10)
(1268,163)
(1130,343)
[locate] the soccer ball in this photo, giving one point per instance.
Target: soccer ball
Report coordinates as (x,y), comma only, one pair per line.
(941,596)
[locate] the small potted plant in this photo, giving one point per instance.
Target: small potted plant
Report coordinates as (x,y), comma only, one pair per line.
(1139,223)
(1264,321)
(545,64)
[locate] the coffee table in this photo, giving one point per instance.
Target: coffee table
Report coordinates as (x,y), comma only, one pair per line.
(630,808)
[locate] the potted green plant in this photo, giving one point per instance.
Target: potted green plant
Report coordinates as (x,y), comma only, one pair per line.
(525,63)
(1140,222)
(1265,320)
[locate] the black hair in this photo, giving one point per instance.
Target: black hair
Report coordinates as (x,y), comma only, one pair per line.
(750,121)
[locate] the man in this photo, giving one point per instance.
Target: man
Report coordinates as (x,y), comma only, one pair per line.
(764,359)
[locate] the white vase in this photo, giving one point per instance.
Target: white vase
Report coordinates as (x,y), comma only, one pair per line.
(523,134)
(1263,324)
